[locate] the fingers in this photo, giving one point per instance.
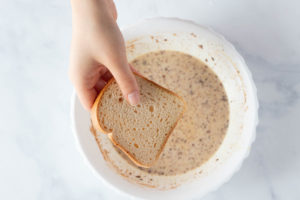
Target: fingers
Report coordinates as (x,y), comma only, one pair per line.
(134,70)
(85,92)
(116,61)
(112,7)
(107,76)
(127,83)
(100,85)
(84,75)
(87,97)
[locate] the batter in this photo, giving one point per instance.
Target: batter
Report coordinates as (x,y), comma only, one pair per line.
(201,131)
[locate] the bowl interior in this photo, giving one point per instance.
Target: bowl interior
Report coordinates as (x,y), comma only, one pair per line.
(231,69)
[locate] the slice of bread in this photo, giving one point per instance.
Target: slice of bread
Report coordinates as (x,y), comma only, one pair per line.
(139,131)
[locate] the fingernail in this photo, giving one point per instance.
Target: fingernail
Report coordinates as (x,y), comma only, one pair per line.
(134,98)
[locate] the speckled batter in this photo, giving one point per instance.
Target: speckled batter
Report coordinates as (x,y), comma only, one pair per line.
(200,132)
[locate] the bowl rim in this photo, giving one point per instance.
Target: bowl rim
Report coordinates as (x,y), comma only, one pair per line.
(251,85)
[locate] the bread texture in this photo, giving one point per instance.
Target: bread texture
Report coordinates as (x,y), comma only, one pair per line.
(140,131)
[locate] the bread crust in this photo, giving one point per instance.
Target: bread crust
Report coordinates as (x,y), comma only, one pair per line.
(97,124)
(95,109)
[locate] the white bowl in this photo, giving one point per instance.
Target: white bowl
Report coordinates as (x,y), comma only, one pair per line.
(185,36)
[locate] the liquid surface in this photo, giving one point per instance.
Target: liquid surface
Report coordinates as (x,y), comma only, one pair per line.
(201,130)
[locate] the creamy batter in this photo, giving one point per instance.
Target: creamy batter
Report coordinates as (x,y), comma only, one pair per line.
(200,132)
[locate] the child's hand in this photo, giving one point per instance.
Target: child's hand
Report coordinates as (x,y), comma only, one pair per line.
(98,52)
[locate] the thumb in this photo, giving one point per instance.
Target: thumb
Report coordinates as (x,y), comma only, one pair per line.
(127,83)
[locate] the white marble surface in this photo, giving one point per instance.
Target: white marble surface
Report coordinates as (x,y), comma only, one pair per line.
(39,159)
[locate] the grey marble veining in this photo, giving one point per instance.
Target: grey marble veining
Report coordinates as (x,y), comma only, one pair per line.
(39,158)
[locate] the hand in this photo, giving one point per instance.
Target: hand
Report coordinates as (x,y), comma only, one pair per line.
(98,52)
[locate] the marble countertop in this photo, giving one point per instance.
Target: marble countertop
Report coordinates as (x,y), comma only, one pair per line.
(39,158)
